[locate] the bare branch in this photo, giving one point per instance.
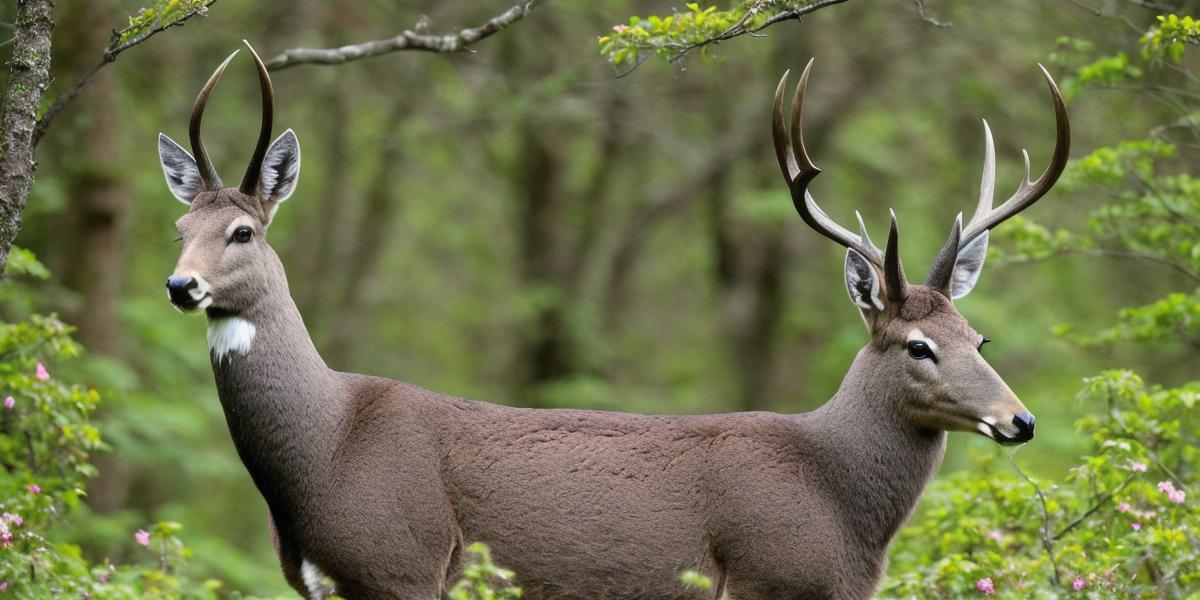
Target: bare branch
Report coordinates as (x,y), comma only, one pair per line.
(409,40)
(932,20)
(28,76)
(118,44)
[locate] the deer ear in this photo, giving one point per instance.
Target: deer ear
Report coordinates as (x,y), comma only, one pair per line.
(863,283)
(280,170)
(968,266)
(183,176)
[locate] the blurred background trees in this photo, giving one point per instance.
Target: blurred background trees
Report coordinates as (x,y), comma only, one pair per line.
(519,224)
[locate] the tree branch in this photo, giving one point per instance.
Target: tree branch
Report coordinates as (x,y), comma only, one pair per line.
(409,40)
(28,76)
(121,41)
(740,29)
(1047,533)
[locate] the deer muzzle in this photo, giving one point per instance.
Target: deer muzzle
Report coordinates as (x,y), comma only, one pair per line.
(188,293)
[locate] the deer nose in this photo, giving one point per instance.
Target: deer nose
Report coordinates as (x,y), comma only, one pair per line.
(179,290)
(1024,423)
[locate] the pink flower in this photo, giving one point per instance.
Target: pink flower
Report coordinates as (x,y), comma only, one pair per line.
(142,537)
(16,520)
(1136,526)
(5,540)
(34,488)
(1166,487)
(42,373)
(1137,467)
(995,535)
(1177,496)
(1078,584)
(986,586)
(1123,507)
(9,403)
(620,28)
(3,585)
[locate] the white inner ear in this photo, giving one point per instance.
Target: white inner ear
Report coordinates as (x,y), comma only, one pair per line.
(280,169)
(183,176)
(968,266)
(862,282)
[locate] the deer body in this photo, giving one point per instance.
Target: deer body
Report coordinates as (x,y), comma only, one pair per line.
(376,482)
(379,485)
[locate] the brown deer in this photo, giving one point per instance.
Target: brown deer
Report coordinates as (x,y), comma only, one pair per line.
(378,485)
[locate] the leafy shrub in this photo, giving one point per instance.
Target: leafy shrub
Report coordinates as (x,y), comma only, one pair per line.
(1121,523)
(46,443)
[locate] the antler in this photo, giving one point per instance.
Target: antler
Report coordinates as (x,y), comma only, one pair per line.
(985,217)
(799,171)
(1028,192)
(249,184)
(208,174)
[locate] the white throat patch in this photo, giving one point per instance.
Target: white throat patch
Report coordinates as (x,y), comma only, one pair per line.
(230,334)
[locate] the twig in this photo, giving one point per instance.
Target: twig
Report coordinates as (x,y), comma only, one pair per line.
(1091,510)
(409,40)
(114,49)
(739,28)
(1047,537)
(929,18)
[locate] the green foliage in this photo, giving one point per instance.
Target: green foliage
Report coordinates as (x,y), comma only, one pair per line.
(482,579)
(1167,40)
(695,579)
(47,441)
(163,14)
(668,37)
(1120,523)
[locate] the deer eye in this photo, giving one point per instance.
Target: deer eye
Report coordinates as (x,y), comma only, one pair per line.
(920,350)
(242,234)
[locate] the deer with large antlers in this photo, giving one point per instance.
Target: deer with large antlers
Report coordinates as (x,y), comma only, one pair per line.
(379,485)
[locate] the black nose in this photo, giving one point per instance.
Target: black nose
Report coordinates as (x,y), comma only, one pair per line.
(1024,423)
(179,290)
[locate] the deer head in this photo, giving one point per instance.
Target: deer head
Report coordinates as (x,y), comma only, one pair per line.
(933,354)
(226,265)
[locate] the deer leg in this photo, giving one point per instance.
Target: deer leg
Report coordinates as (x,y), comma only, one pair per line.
(289,558)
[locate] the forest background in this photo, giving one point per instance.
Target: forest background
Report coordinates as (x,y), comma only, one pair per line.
(573,213)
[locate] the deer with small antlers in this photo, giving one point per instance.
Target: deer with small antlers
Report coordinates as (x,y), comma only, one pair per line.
(378,485)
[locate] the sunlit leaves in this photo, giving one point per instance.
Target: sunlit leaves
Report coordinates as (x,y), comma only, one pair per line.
(163,14)
(1170,37)
(695,25)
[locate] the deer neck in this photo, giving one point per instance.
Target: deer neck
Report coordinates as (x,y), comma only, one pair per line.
(877,462)
(283,405)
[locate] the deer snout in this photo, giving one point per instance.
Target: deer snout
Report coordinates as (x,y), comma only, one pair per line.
(188,293)
(1024,423)
(1017,431)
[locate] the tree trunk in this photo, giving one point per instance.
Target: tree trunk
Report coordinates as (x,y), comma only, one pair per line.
(371,234)
(97,198)
(29,74)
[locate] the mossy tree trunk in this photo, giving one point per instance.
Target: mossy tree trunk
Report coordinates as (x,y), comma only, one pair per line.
(29,74)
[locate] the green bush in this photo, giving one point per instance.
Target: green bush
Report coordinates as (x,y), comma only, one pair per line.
(1121,522)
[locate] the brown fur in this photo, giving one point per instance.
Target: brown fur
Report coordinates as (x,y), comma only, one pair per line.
(380,484)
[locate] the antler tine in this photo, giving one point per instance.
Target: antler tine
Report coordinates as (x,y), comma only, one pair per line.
(250,179)
(1029,191)
(799,171)
(208,174)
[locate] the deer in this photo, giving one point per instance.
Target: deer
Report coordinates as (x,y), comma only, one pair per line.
(377,486)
